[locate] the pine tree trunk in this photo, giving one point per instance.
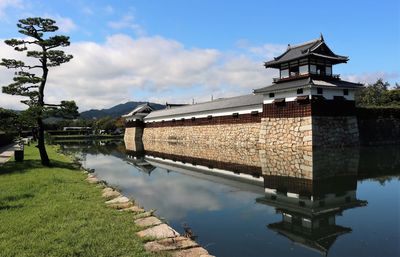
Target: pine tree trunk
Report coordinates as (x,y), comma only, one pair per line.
(41,146)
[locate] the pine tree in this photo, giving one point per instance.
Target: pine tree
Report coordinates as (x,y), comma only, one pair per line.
(30,80)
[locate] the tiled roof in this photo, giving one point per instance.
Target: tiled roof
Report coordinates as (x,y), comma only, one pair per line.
(138,109)
(308,82)
(310,48)
(219,104)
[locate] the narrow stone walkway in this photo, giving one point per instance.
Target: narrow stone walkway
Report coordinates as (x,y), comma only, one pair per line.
(162,238)
(6,152)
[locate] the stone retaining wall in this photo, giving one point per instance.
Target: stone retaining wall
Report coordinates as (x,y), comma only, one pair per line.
(286,132)
(229,135)
(335,131)
(305,125)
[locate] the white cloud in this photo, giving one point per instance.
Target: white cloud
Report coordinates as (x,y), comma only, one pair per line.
(4,4)
(146,68)
(266,51)
(371,77)
(64,24)
(128,21)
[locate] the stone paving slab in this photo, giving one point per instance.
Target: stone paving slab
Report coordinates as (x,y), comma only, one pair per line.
(148,221)
(6,153)
(192,252)
(120,199)
(108,192)
(133,209)
(120,206)
(143,215)
(92,179)
(169,244)
(159,232)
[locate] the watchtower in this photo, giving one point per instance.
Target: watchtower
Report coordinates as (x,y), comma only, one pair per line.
(308,105)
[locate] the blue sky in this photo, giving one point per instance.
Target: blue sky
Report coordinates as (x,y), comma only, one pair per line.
(179,50)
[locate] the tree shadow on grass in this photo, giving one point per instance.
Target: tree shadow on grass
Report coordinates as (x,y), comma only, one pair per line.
(6,203)
(26,165)
(10,207)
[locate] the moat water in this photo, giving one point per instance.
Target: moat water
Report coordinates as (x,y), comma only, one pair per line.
(344,210)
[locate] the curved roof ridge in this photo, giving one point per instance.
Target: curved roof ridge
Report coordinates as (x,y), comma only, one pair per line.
(313,41)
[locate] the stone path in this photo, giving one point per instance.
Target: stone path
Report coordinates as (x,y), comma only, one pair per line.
(162,237)
(6,153)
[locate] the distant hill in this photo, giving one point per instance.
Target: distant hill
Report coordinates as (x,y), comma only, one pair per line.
(116,111)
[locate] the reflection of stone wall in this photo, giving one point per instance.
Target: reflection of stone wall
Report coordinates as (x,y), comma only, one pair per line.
(228,135)
(340,162)
(193,151)
(286,132)
(288,162)
(318,163)
(335,131)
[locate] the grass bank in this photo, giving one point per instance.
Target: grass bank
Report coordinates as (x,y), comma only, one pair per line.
(55,212)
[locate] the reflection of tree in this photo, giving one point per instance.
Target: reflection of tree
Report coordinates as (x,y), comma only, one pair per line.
(107,147)
(379,163)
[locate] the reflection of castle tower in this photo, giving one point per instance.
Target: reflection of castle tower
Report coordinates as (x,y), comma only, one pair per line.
(135,156)
(310,198)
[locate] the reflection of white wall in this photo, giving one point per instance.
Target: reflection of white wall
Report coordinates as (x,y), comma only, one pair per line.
(330,200)
(204,172)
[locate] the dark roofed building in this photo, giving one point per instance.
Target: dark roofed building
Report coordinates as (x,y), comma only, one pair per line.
(308,66)
(218,107)
(312,50)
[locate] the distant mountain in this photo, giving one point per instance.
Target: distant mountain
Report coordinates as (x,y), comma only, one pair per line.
(116,111)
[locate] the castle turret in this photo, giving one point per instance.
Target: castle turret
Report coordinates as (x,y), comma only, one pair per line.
(313,105)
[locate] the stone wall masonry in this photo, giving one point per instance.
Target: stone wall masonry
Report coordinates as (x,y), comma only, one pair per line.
(227,135)
(286,132)
(335,131)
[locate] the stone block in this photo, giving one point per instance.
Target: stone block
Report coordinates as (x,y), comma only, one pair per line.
(192,252)
(307,138)
(133,209)
(120,199)
(170,244)
(110,193)
(148,221)
(160,231)
(305,128)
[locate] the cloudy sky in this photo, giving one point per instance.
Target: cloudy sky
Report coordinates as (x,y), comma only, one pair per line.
(179,50)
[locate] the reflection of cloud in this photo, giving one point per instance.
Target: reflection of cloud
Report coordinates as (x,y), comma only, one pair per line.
(172,194)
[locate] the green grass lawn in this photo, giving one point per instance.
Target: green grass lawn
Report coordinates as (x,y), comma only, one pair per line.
(55,212)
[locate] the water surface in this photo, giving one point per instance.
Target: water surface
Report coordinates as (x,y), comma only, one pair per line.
(279,203)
